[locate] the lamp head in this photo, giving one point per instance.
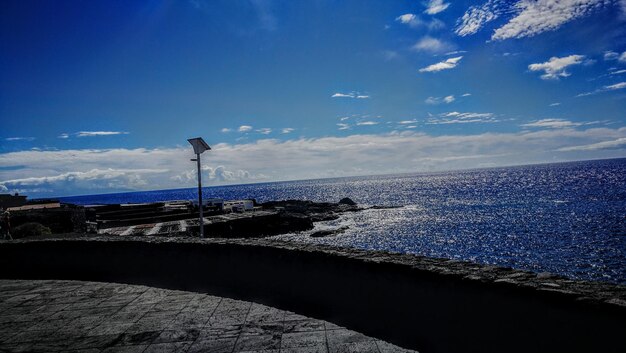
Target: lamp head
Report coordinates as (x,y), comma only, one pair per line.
(199,145)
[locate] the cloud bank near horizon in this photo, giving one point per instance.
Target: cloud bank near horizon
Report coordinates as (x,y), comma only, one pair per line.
(90,171)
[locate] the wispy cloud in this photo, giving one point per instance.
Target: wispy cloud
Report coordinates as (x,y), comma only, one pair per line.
(19,138)
(415,21)
(448,64)
(367,123)
(556,67)
(264,131)
(611,55)
(440,100)
(537,16)
(64,135)
(287,130)
(462,118)
(434,7)
(613,144)
(608,88)
(432,45)
(343,126)
(244,128)
(529,17)
(226,130)
(552,124)
(407,122)
(555,104)
(356,95)
(466,94)
(99,133)
(409,19)
(477,16)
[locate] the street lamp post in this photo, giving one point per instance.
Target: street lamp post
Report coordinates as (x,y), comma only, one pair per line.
(199,146)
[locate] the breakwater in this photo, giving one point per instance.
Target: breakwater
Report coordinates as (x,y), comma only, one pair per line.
(431,305)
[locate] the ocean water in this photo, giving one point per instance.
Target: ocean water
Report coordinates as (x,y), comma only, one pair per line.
(565,218)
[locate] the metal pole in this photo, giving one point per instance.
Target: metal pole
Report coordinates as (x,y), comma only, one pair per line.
(200,196)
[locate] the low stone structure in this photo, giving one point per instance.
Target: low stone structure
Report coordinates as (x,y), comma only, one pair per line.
(431,305)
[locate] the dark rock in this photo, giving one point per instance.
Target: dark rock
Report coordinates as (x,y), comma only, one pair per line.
(257,226)
(317,211)
(380,207)
(347,201)
(328,232)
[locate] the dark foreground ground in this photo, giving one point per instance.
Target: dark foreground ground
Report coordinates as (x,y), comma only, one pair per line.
(75,316)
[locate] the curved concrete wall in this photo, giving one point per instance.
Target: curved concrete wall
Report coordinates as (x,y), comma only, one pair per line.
(417,309)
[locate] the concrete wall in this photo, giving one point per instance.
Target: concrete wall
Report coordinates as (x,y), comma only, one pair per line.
(417,309)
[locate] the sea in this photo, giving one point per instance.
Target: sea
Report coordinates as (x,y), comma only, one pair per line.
(563,218)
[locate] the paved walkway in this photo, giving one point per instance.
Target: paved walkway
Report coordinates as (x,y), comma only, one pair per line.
(73,316)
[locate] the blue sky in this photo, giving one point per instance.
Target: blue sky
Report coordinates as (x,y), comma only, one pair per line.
(100,96)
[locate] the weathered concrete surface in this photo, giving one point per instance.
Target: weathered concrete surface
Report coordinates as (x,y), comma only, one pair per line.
(73,316)
(431,305)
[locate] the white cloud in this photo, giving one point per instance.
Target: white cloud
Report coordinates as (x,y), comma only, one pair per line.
(366,123)
(555,104)
(529,17)
(407,122)
(99,133)
(622,58)
(552,124)
(406,18)
(218,175)
(618,72)
(225,130)
(436,6)
(450,63)
(414,21)
(92,180)
(614,87)
(477,16)
(343,126)
(556,67)
(439,100)
(611,55)
(19,138)
(264,131)
(537,16)
(244,128)
(287,130)
(620,85)
(462,118)
(64,136)
(409,19)
(432,45)
(448,99)
(72,171)
(466,95)
(613,144)
(356,95)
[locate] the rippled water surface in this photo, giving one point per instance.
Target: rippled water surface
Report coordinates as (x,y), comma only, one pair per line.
(567,218)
